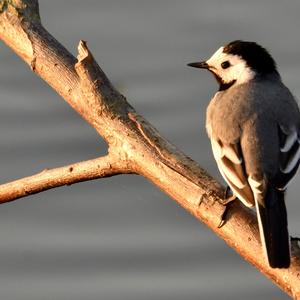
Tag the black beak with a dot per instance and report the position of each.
(201, 65)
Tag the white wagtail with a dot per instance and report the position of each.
(253, 123)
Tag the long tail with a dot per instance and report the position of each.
(273, 228)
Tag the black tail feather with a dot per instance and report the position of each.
(272, 217)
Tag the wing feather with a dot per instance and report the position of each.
(289, 141)
(230, 164)
(289, 157)
(231, 154)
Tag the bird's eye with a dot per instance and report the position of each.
(225, 64)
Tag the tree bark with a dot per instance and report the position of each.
(134, 145)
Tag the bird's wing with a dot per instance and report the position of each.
(289, 157)
(272, 217)
(231, 165)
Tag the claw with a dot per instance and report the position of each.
(224, 215)
(199, 201)
(222, 222)
(226, 202)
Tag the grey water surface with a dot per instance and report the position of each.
(122, 238)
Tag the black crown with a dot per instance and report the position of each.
(256, 57)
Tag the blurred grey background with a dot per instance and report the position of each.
(121, 238)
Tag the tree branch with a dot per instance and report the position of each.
(47, 179)
(134, 143)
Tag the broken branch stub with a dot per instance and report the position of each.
(102, 103)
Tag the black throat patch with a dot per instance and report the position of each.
(223, 85)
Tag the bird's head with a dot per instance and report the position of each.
(238, 62)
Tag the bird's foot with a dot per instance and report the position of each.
(229, 197)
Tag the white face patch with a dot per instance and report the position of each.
(238, 70)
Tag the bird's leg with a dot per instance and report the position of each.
(228, 196)
(227, 201)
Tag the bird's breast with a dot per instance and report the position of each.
(223, 118)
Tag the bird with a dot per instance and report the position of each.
(253, 123)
